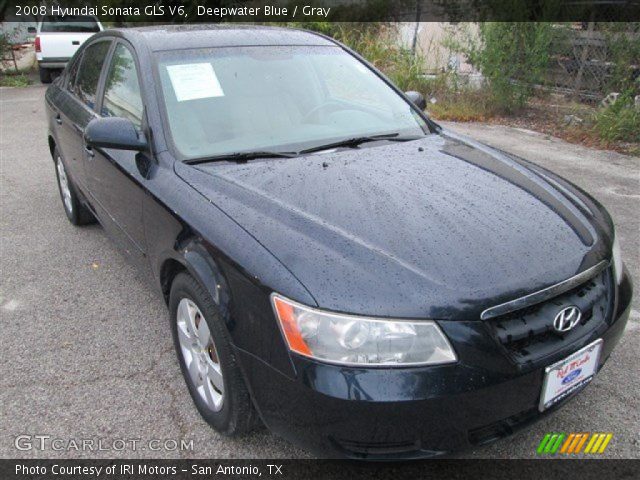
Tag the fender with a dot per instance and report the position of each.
(220, 278)
(194, 257)
(203, 267)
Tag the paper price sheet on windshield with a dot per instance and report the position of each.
(192, 81)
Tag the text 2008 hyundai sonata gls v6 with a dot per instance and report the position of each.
(336, 266)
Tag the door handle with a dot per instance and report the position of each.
(89, 150)
(75, 42)
(58, 119)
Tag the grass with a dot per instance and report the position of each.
(14, 80)
(462, 106)
(619, 122)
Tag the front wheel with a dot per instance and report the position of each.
(206, 358)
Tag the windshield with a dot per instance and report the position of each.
(69, 23)
(238, 99)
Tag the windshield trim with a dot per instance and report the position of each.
(432, 127)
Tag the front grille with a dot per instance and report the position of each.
(528, 334)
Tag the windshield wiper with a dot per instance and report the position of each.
(349, 142)
(354, 142)
(241, 157)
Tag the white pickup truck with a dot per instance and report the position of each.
(58, 38)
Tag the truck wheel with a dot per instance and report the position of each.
(45, 75)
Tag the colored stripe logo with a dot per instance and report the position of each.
(574, 443)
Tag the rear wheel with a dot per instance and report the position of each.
(77, 213)
(206, 358)
(45, 75)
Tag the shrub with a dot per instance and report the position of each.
(619, 121)
(512, 56)
(623, 51)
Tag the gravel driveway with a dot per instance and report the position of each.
(86, 348)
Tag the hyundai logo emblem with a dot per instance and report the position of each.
(567, 318)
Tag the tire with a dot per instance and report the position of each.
(45, 75)
(77, 213)
(223, 401)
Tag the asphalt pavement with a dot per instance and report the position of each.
(86, 347)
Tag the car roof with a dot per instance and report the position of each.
(178, 37)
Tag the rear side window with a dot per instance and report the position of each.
(122, 91)
(89, 73)
(72, 73)
(69, 23)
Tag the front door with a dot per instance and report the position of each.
(114, 177)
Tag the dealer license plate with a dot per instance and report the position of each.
(566, 376)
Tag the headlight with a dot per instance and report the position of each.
(617, 260)
(352, 340)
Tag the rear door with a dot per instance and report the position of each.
(79, 108)
(63, 111)
(60, 37)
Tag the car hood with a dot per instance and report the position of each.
(440, 227)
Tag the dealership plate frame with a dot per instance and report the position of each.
(541, 405)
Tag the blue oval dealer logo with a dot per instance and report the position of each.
(572, 376)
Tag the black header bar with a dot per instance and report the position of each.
(213, 11)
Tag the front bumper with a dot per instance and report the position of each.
(380, 413)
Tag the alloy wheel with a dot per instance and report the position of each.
(200, 354)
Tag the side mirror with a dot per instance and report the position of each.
(32, 30)
(417, 99)
(114, 132)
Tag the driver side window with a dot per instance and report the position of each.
(122, 96)
(86, 84)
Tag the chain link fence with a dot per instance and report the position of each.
(585, 60)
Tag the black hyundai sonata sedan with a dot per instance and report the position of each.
(336, 265)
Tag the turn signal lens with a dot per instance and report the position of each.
(290, 328)
(352, 340)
